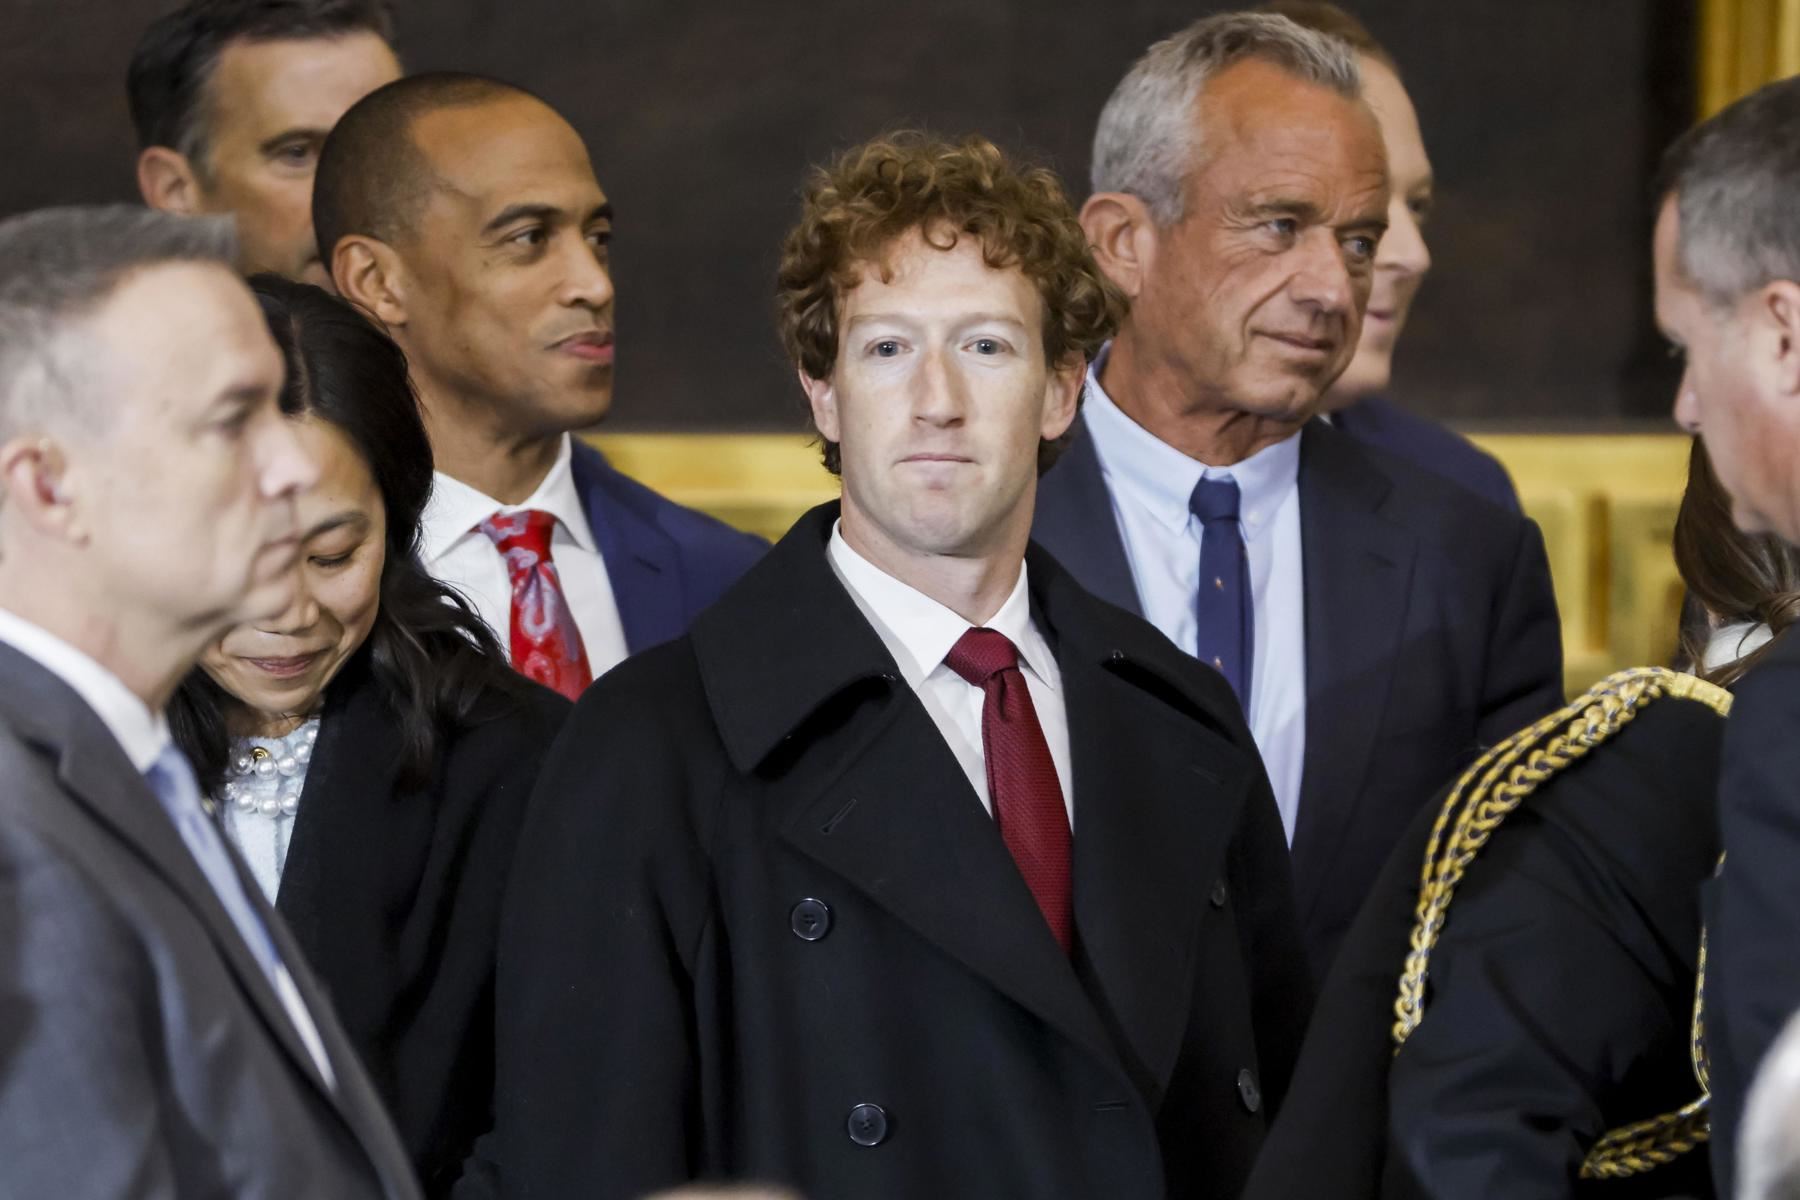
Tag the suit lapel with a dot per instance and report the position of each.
(642, 562)
(1074, 521)
(93, 768)
(901, 824)
(1156, 799)
(1358, 568)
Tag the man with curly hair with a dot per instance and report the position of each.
(912, 870)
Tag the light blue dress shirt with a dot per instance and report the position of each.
(1150, 482)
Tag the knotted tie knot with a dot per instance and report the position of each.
(1214, 500)
(981, 654)
(523, 537)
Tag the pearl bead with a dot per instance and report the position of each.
(303, 753)
(290, 804)
(269, 806)
(245, 801)
(265, 767)
(312, 733)
(287, 764)
(243, 764)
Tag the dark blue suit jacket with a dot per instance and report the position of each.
(666, 562)
(1380, 422)
(1431, 632)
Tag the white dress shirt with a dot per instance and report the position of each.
(456, 551)
(1150, 483)
(919, 632)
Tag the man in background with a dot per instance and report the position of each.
(232, 100)
(463, 214)
(1727, 257)
(162, 1034)
(1378, 623)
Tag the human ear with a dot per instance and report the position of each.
(1781, 312)
(371, 276)
(1062, 395)
(1122, 236)
(821, 394)
(168, 182)
(34, 472)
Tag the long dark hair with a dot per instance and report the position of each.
(1734, 576)
(428, 653)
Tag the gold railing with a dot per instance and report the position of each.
(1606, 504)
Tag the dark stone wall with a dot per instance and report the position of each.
(1543, 118)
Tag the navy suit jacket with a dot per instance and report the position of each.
(1431, 632)
(1380, 422)
(666, 562)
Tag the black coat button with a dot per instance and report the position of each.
(868, 1125)
(1219, 894)
(1248, 1091)
(810, 920)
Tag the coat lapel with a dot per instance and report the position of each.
(1156, 798)
(1074, 521)
(1358, 567)
(642, 561)
(93, 767)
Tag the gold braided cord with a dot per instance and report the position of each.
(1494, 786)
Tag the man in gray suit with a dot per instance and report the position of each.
(159, 1033)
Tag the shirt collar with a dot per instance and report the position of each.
(1161, 478)
(141, 732)
(455, 508)
(919, 631)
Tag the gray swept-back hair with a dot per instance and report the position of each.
(1735, 179)
(58, 265)
(1148, 140)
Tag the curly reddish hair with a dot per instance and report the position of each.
(853, 211)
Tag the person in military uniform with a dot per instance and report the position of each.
(1521, 984)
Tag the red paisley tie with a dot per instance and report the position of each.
(546, 646)
(1022, 783)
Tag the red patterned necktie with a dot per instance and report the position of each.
(1022, 783)
(546, 646)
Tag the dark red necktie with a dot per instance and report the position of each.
(546, 646)
(1022, 783)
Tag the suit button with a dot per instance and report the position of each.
(868, 1125)
(1219, 894)
(1247, 1090)
(810, 920)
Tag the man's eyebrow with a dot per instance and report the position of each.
(299, 132)
(541, 212)
(1305, 210)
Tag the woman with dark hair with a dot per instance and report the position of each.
(1743, 588)
(369, 750)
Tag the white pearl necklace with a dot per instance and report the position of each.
(268, 774)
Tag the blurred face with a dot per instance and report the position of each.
(269, 106)
(508, 296)
(1255, 296)
(278, 667)
(1730, 392)
(1402, 260)
(187, 493)
(938, 401)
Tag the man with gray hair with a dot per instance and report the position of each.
(1727, 255)
(1377, 623)
(159, 1034)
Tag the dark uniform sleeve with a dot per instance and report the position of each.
(595, 1068)
(1524, 678)
(1542, 991)
(1753, 956)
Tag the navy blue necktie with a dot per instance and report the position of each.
(1226, 623)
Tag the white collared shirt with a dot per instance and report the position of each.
(141, 733)
(459, 554)
(919, 632)
(1150, 483)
